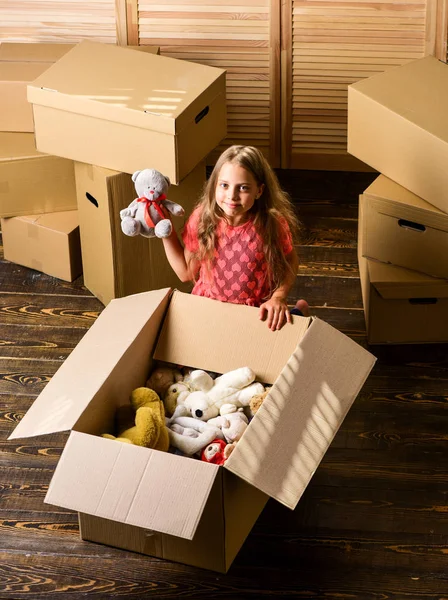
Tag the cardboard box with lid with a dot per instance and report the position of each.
(404, 230)
(48, 243)
(31, 182)
(166, 505)
(146, 110)
(398, 124)
(401, 306)
(114, 264)
(20, 64)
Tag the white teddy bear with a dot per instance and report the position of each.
(145, 215)
(230, 391)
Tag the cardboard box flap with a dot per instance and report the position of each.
(188, 341)
(417, 91)
(130, 484)
(397, 283)
(171, 93)
(297, 422)
(17, 146)
(63, 222)
(392, 199)
(69, 392)
(40, 52)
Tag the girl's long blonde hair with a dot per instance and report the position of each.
(269, 209)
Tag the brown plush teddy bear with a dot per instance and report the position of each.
(149, 429)
(256, 401)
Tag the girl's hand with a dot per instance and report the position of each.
(277, 312)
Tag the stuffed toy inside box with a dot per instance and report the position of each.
(165, 505)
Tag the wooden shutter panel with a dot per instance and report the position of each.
(66, 21)
(333, 44)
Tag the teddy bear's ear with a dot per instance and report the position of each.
(135, 175)
(167, 179)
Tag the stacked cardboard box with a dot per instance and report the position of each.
(148, 111)
(36, 190)
(398, 124)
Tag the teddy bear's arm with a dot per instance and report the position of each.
(130, 211)
(173, 207)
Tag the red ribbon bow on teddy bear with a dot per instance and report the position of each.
(156, 205)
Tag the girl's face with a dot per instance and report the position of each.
(236, 192)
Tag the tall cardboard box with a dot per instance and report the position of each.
(114, 264)
(147, 110)
(48, 243)
(404, 230)
(30, 182)
(398, 124)
(170, 506)
(400, 306)
(20, 64)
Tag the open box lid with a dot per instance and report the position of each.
(141, 89)
(155, 490)
(63, 222)
(17, 146)
(73, 386)
(40, 52)
(394, 200)
(296, 423)
(417, 91)
(396, 283)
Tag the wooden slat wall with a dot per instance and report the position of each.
(57, 20)
(335, 43)
(237, 35)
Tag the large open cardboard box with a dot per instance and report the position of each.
(30, 182)
(398, 124)
(114, 264)
(174, 507)
(48, 243)
(20, 64)
(402, 229)
(146, 111)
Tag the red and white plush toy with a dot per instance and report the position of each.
(214, 452)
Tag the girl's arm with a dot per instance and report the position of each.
(276, 308)
(180, 258)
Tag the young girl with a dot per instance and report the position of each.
(238, 242)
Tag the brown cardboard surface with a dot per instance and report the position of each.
(401, 306)
(19, 65)
(197, 552)
(120, 360)
(188, 341)
(48, 243)
(297, 422)
(116, 265)
(398, 124)
(79, 98)
(33, 52)
(23, 169)
(131, 484)
(404, 230)
(16, 114)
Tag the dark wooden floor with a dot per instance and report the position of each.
(373, 523)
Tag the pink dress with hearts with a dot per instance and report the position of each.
(239, 271)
